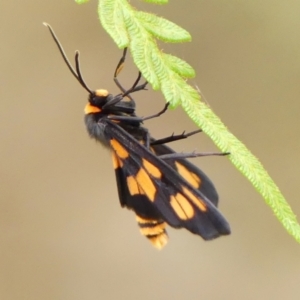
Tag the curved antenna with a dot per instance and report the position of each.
(80, 79)
(77, 73)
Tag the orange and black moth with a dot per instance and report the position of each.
(161, 186)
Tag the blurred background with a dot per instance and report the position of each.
(63, 234)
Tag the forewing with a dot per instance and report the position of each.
(176, 200)
(137, 201)
(196, 177)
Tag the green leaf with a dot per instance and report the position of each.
(163, 29)
(139, 31)
(112, 20)
(175, 89)
(142, 50)
(179, 66)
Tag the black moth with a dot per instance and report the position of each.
(158, 184)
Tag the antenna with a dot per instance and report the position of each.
(77, 73)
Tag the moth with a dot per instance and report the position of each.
(159, 185)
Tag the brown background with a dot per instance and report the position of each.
(62, 232)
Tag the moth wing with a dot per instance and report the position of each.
(195, 176)
(175, 199)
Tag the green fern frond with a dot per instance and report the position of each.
(139, 31)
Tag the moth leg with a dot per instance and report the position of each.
(135, 86)
(175, 156)
(173, 138)
(137, 119)
(118, 69)
(158, 114)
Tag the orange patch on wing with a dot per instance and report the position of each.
(116, 161)
(133, 186)
(182, 207)
(197, 201)
(120, 150)
(146, 184)
(153, 170)
(189, 176)
(90, 109)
